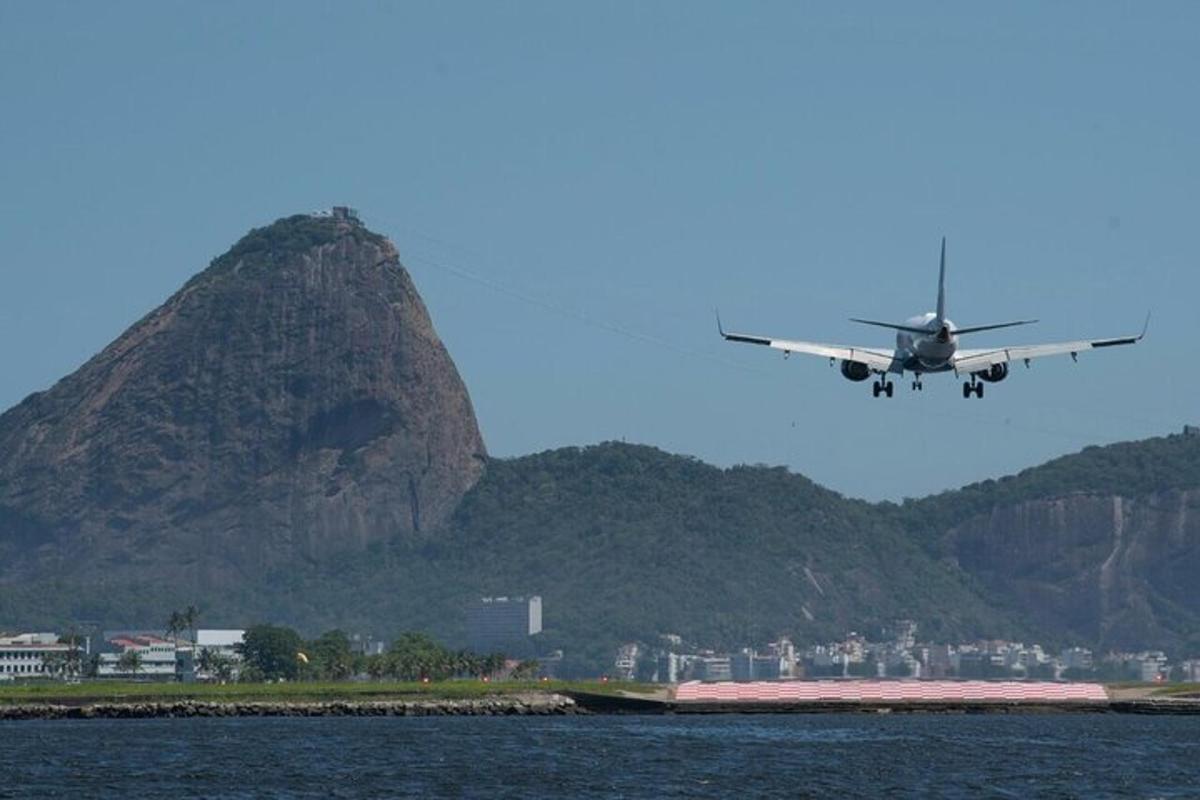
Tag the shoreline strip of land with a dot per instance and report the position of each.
(465, 699)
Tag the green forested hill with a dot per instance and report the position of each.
(626, 542)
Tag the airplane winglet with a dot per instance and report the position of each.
(720, 329)
(1145, 327)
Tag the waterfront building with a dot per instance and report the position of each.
(366, 645)
(713, 668)
(937, 660)
(1077, 658)
(221, 641)
(1152, 665)
(904, 634)
(670, 668)
(504, 625)
(25, 655)
(785, 652)
(155, 659)
(214, 646)
(625, 666)
(750, 666)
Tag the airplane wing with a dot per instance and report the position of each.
(876, 359)
(966, 361)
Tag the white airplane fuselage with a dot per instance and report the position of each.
(931, 352)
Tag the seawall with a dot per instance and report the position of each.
(532, 704)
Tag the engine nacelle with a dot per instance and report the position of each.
(995, 374)
(855, 371)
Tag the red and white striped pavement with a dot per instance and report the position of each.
(889, 691)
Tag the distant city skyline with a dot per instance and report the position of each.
(574, 189)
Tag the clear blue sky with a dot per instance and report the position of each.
(575, 186)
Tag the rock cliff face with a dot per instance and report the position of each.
(290, 403)
(1117, 571)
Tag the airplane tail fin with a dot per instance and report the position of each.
(941, 301)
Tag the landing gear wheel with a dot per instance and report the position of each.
(876, 389)
(889, 387)
(979, 390)
(967, 390)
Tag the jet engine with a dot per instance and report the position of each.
(995, 374)
(855, 371)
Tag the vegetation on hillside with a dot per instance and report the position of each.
(627, 542)
(1127, 469)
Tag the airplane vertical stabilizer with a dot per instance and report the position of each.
(941, 303)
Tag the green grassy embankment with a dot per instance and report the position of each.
(48, 693)
(1178, 690)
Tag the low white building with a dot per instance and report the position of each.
(1077, 658)
(223, 644)
(155, 659)
(24, 655)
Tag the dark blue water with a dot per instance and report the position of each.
(746, 756)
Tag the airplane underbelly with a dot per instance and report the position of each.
(934, 355)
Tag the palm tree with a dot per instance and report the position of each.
(189, 618)
(174, 625)
(494, 663)
(130, 661)
(73, 658)
(54, 664)
(205, 661)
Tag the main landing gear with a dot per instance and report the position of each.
(883, 387)
(973, 387)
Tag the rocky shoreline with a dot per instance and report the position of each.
(554, 704)
(496, 706)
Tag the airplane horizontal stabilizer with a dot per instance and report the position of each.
(997, 326)
(893, 326)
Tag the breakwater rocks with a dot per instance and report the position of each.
(496, 706)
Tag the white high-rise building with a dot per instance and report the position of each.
(504, 625)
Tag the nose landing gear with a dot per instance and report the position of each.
(918, 385)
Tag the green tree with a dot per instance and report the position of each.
(493, 663)
(331, 656)
(272, 652)
(526, 671)
(221, 667)
(73, 659)
(54, 664)
(416, 656)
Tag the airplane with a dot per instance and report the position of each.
(928, 343)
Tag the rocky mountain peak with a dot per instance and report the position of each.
(290, 401)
